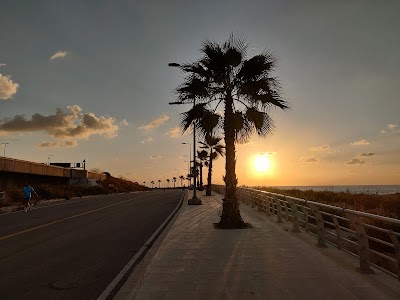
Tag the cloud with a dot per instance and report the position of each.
(320, 148)
(148, 139)
(310, 159)
(124, 123)
(55, 144)
(361, 142)
(72, 124)
(155, 123)
(58, 54)
(155, 156)
(2, 65)
(366, 154)
(355, 161)
(390, 128)
(8, 88)
(175, 132)
(267, 153)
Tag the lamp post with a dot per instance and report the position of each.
(49, 158)
(5, 145)
(190, 159)
(194, 200)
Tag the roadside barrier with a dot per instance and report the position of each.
(374, 239)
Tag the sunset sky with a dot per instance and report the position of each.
(90, 80)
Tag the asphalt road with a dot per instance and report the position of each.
(74, 249)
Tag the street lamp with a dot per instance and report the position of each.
(190, 158)
(194, 200)
(49, 158)
(5, 145)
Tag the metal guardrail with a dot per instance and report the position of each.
(374, 239)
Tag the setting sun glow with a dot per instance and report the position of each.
(262, 163)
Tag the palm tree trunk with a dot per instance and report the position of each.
(230, 217)
(208, 191)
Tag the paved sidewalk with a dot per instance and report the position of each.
(196, 261)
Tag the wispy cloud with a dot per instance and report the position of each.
(155, 156)
(310, 159)
(124, 123)
(148, 139)
(175, 132)
(360, 143)
(72, 124)
(8, 88)
(57, 144)
(355, 161)
(2, 65)
(267, 153)
(366, 154)
(58, 55)
(155, 123)
(390, 128)
(320, 148)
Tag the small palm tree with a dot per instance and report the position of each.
(174, 180)
(246, 91)
(159, 182)
(181, 178)
(214, 149)
(152, 184)
(168, 183)
(144, 183)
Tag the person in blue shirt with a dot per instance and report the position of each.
(27, 190)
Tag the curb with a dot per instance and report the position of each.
(112, 289)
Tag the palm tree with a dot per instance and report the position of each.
(168, 183)
(174, 180)
(181, 178)
(152, 184)
(144, 183)
(245, 90)
(159, 182)
(202, 156)
(215, 148)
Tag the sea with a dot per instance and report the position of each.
(354, 189)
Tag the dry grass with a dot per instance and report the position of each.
(384, 205)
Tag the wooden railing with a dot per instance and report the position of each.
(374, 239)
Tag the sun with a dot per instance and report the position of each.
(262, 163)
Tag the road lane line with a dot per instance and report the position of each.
(65, 219)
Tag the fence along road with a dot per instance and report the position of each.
(374, 239)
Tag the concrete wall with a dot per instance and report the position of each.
(28, 167)
(15, 171)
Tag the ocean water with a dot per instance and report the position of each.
(355, 189)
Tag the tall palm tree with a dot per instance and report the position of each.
(215, 148)
(174, 180)
(159, 182)
(245, 90)
(202, 156)
(144, 183)
(152, 184)
(168, 183)
(181, 178)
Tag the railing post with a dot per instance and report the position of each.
(278, 209)
(339, 240)
(295, 217)
(305, 215)
(253, 199)
(320, 225)
(396, 245)
(260, 202)
(267, 206)
(286, 209)
(363, 244)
